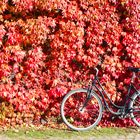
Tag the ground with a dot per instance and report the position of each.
(58, 134)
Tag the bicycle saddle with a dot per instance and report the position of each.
(134, 69)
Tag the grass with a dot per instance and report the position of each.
(45, 133)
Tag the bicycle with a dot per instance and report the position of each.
(82, 109)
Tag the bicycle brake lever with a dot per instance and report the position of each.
(97, 71)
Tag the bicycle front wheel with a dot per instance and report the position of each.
(135, 107)
(79, 115)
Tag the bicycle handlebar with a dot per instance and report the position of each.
(134, 70)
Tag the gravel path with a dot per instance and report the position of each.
(4, 138)
(133, 136)
(129, 137)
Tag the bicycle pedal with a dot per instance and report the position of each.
(121, 117)
(113, 118)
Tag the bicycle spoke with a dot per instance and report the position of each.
(138, 102)
(137, 115)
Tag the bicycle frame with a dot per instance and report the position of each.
(98, 86)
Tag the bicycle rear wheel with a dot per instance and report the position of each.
(135, 107)
(77, 116)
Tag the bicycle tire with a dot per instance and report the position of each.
(135, 104)
(73, 115)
